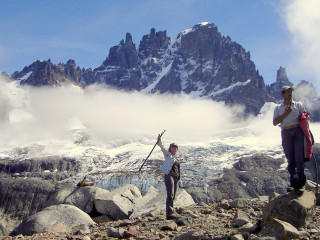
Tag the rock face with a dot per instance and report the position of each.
(250, 177)
(50, 163)
(57, 215)
(121, 68)
(50, 168)
(199, 62)
(20, 198)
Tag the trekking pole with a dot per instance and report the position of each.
(317, 179)
(151, 151)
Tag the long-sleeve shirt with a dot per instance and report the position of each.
(170, 159)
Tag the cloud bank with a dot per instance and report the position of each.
(44, 114)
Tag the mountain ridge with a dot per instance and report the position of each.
(200, 62)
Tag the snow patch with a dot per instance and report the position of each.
(26, 76)
(228, 89)
(160, 76)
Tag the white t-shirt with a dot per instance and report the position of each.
(293, 117)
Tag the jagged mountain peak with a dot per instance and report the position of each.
(282, 75)
(199, 62)
(199, 26)
(43, 73)
(128, 38)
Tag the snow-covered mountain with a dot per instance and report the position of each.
(200, 62)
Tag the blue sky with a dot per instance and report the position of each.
(272, 30)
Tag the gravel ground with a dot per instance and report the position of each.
(206, 221)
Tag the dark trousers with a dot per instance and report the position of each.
(171, 187)
(292, 143)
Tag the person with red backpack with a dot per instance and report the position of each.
(287, 114)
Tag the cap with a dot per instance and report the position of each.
(285, 88)
(173, 145)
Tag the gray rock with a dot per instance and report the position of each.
(304, 234)
(191, 214)
(118, 204)
(225, 205)
(21, 198)
(81, 229)
(296, 210)
(240, 203)
(241, 218)
(264, 198)
(102, 219)
(157, 199)
(272, 196)
(81, 197)
(248, 227)
(183, 221)
(57, 215)
(237, 237)
(313, 231)
(116, 232)
(280, 230)
(226, 215)
(192, 235)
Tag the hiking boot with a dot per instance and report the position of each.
(300, 191)
(171, 217)
(290, 189)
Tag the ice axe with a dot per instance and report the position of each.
(151, 151)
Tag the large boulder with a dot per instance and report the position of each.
(291, 208)
(156, 199)
(57, 215)
(20, 198)
(81, 197)
(280, 230)
(118, 204)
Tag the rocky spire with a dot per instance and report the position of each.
(282, 76)
(275, 88)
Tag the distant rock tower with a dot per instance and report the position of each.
(275, 88)
(282, 76)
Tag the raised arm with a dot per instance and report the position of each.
(164, 151)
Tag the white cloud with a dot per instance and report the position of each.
(48, 114)
(302, 20)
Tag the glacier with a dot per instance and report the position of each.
(65, 122)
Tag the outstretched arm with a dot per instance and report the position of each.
(164, 151)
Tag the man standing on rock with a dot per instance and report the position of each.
(287, 114)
